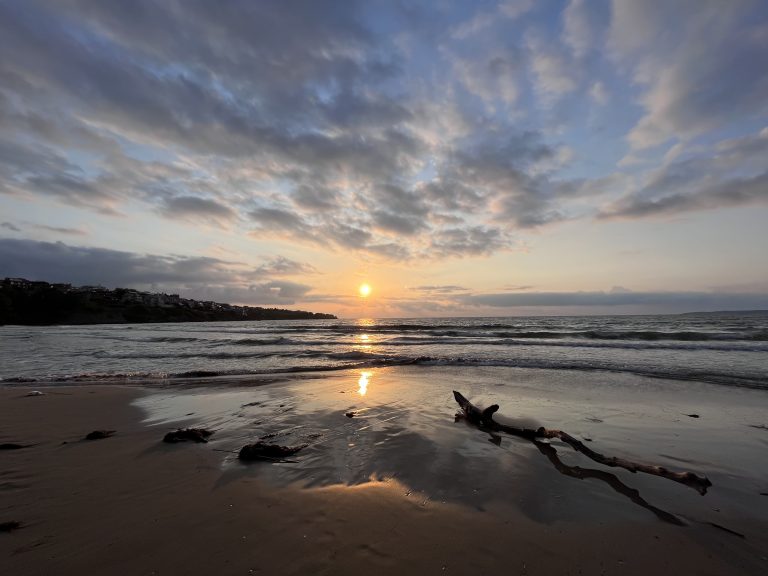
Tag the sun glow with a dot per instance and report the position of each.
(363, 383)
(365, 290)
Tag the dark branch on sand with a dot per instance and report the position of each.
(484, 419)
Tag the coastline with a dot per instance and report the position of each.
(130, 504)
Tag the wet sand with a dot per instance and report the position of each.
(397, 488)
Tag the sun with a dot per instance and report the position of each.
(365, 290)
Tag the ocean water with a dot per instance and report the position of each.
(725, 349)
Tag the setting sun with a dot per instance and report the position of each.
(365, 290)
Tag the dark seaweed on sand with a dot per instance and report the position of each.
(263, 451)
(99, 434)
(9, 526)
(192, 434)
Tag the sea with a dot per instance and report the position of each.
(728, 349)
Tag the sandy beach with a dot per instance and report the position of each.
(389, 490)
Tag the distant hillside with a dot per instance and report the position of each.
(40, 303)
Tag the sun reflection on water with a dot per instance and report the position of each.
(363, 382)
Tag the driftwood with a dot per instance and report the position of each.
(484, 419)
(192, 434)
(263, 451)
(99, 434)
(611, 479)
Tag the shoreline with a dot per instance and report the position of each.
(130, 504)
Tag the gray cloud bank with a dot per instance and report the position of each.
(202, 278)
(671, 301)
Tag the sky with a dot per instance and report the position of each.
(462, 158)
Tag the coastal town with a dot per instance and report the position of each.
(25, 301)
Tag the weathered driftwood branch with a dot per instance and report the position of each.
(611, 479)
(484, 419)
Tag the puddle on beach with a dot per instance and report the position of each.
(402, 428)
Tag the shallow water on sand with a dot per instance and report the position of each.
(403, 428)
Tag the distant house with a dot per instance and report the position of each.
(131, 296)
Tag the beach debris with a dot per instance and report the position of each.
(35, 393)
(349, 414)
(264, 451)
(193, 434)
(483, 419)
(758, 426)
(693, 416)
(9, 526)
(612, 480)
(250, 404)
(13, 446)
(99, 434)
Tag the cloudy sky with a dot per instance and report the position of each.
(464, 158)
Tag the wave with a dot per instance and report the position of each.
(481, 331)
(351, 361)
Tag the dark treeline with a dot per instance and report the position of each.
(40, 303)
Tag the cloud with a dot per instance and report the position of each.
(441, 289)
(191, 276)
(494, 79)
(476, 241)
(55, 229)
(282, 266)
(691, 301)
(701, 64)
(394, 131)
(579, 29)
(197, 208)
(235, 124)
(61, 230)
(554, 77)
(730, 193)
(599, 93)
(732, 174)
(279, 219)
(483, 19)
